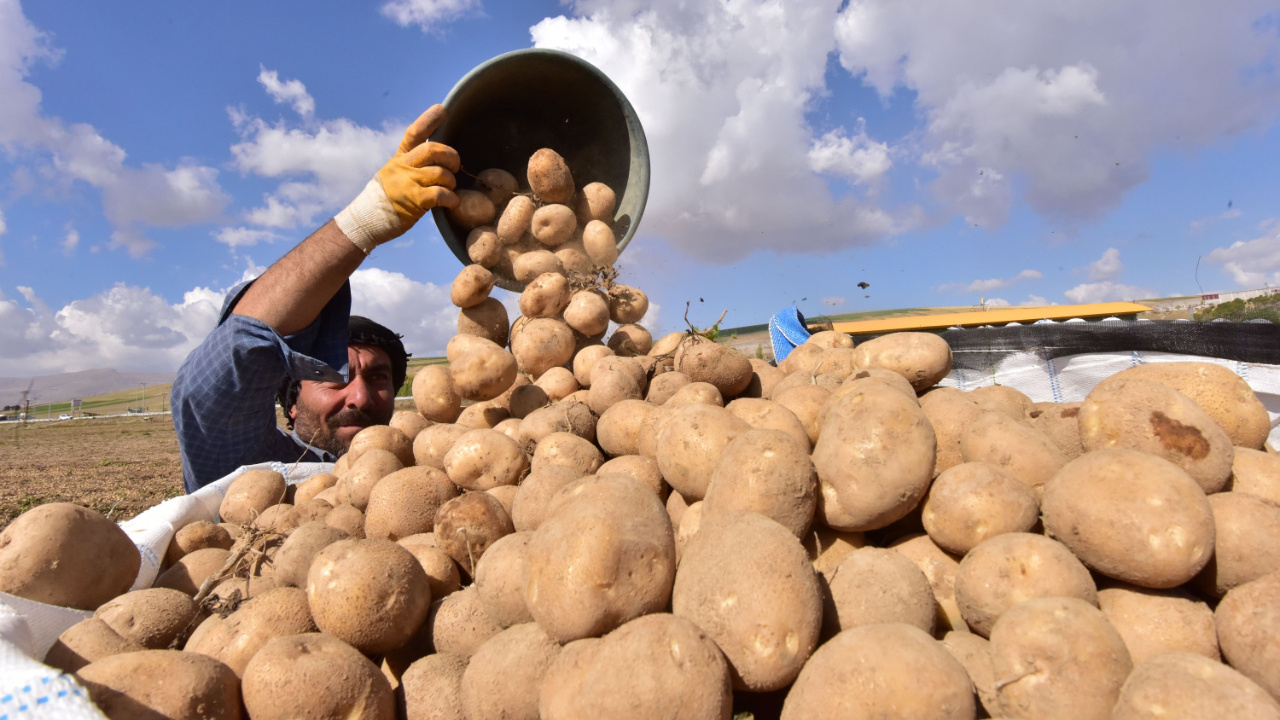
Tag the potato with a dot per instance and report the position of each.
(372, 594)
(431, 688)
(190, 572)
(584, 362)
(87, 641)
(558, 383)
(544, 343)
(890, 670)
(922, 358)
(880, 375)
(1159, 621)
(692, 438)
(629, 365)
(1246, 542)
(720, 365)
(234, 641)
(1012, 446)
(506, 495)
(768, 472)
(1221, 393)
(605, 556)
(293, 560)
(533, 497)
(588, 313)
(1057, 657)
(405, 502)
(483, 415)
(501, 577)
(628, 305)
(950, 412)
(940, 568)
(568, 450)
(610, 387)
(151, 617)
(596, 201)
(382, 437)
(471, 286)
(1193, 686)
(473, 209)
(346, 518)
(545, 296)
(876, 452)
(549, 177)
(631, 341)
(663, 387)
(655, 666)
(483, 246)
(746, 581)
(526, 399)
(504, 676)
(665, 348)
(483, 373)
(516, 219)
(497, 184)
(487, 320)
(314, 675)
(806, 402)
(1248, 628)
(250, 493)
(619, 426)
(311, 487)
(573, 257)
(442, 572)
(1257, 473)
(827, 382)
(564, 416)
(434, 394)
(198, 535)
(974, 653)
(459, 624)
(162, 684)
(690, 523)
(432, 444)
(1060, 423)
(553, 224)
(1131, 516)
(827, 548)
(1153, 418)
(975, 501)
(802, 359)
(282, 519)
(763, 414)
(827, 339)
(873, 585)
(483, 459)
(1013, 568)
(355, 486)
(1005, 400)
(467, 525)
(641, 469)
(600, 243)
(529, 265)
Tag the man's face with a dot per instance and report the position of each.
(330, 414)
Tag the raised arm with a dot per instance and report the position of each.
(290, 294)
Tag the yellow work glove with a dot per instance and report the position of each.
(417, 178)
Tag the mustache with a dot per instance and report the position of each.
(350, 416)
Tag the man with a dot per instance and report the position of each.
(284, 333)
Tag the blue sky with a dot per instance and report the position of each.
(154, 154)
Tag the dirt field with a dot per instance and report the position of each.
(117, 465)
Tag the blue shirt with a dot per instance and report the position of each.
(224, 397)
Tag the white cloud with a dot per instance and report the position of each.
(235, 237)
(125, 327)
(858, 158)
(1036, 300)
(321, 167)
(1065, 100)
(421, 312)
(997, 302)
(991, 284)
(722, 90)
(289, 91)
(132, 197)
(1252, 263)
(428, 15)
(1106, 291)
(71, 241)
(1107, 267)
(4, 227)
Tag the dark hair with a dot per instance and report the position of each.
(360, 331)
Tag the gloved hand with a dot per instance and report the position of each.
(417, 178)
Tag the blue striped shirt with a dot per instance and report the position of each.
(224, 397)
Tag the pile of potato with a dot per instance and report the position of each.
(569, 528)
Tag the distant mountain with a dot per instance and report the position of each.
(86, 383)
